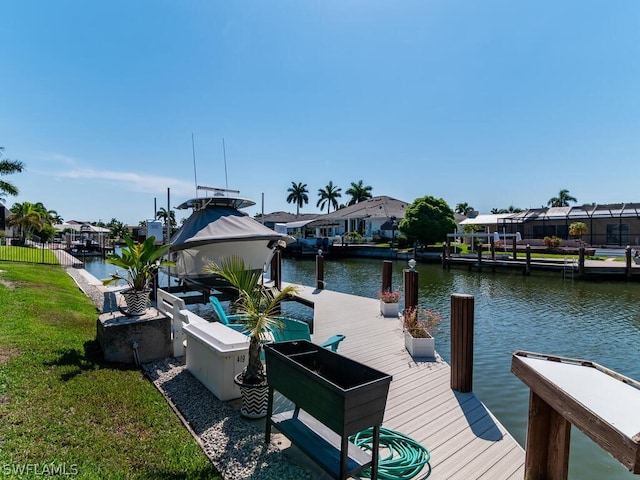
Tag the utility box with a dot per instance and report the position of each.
(215, 355)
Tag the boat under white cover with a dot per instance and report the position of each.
(215, 230)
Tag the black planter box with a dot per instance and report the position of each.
(343, 394)
(339, 393)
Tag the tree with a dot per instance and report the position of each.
(358, 192)
(511, 209)
(464, 209)
(26, 218)
(298, 195)
(562, 200)
(329, 196)
(169, 216)
(118, 229)
(428, 220)
(8, 167)
(577, 229)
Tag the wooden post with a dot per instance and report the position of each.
(527, 268)
(581, 260)
(628, 255)
(462, 319)
(479, 254)
(515, 248)
(410, 288)
(387, 271)
(276, 269)
(319, 271)
(492, 243)
(548, 441)
(445, 254)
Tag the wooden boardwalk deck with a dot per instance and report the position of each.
(465, 440)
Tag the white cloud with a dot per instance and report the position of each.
(134, 181)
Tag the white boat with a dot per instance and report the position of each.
(217, 229)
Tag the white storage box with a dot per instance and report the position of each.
(216, 354)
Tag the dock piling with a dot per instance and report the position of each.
(319, 271)
(410, 286)
(462, 319)
(387, 270)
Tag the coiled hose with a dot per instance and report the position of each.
(404, 458)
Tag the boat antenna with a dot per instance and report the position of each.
(224, 154)
(193, 150)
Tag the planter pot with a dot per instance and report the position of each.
(420, 347)
(389, 309)
(137, 301)
(254, 398)
(327, 385)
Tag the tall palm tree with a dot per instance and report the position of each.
(8, 167)
(169, 216)
(562, 200)
(26, 218)
(359, 192)
(329, 196)
(298, 195)
(464, 208)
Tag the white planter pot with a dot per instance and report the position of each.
(389, 309)
(420, 347)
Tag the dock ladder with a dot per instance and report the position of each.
(569, 267)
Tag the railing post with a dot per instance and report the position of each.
(527, 268)
(515, 248)
(319, 270)
(410, 286)
(462, 320)
(276, 269)
(387, 271)
(581, 260)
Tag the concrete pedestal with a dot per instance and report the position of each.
(117, 334)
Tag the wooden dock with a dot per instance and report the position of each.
(465, 440)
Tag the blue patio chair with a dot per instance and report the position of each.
(298, 330)
(231, 321)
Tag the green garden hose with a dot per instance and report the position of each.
(404, 457)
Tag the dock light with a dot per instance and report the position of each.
(320, 252)
(412, 264)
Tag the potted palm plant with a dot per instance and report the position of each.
(258, 308)
(418, 325)
(140, 261)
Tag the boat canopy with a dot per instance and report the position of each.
(222, 224)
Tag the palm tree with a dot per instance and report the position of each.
(258, 307)
(359, 192)
(562, 200)
(169, 216)
(298, 195)
(8, 167)
(26, 218)
(329, 196)
(464, 208)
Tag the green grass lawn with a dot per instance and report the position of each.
(61, 407)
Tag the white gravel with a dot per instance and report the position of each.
(234, 445)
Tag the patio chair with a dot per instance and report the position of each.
(298, 330)
(231, 321)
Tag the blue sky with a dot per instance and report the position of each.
(492, 103)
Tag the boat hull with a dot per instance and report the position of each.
(191, 262)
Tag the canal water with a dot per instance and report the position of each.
(596, 321)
